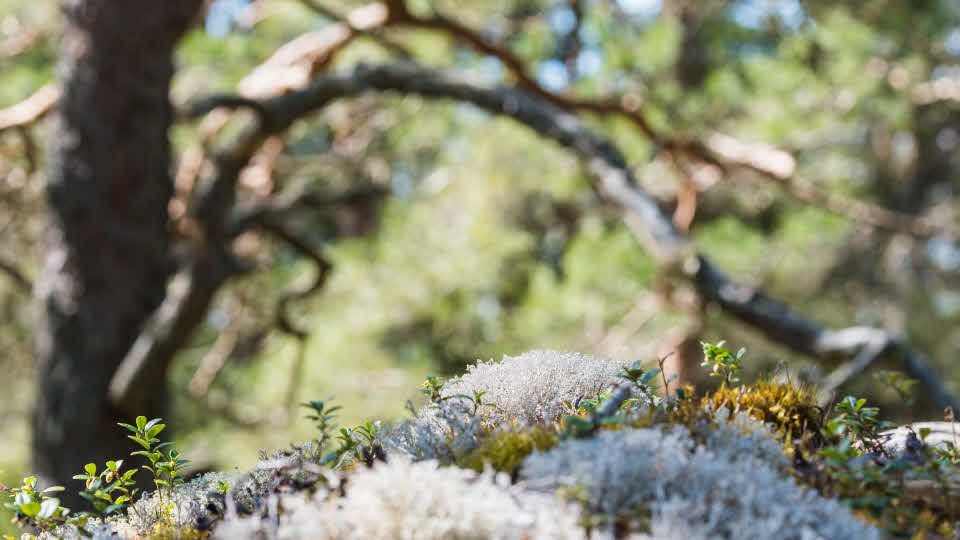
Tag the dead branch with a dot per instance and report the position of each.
(213, 362)
(16, 276)
(781, 167)
(365, 21)
(615, 180)
(323, 266)
(282, 317)
(293, 65)
(20, 43)
(30, 110)
(188, 296)
(717, 149)
(283, 204)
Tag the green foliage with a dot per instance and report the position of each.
(357, 443)
(722, 363)
(902, 385)
(323, 416)
(616, 406)
(432, 387)
(35, 507)
(166, 467)
(862, 424)
(108, 491)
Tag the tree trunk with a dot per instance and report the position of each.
(106, 255)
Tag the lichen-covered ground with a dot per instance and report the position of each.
(562, 445)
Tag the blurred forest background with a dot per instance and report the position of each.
(808, 149)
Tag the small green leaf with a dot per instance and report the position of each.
(152, 432)
(649, 375)
(140, 441)
(30, 509)
(128, 426)
(141, 423)
(91, 468)
(48, 508)
(111, 509)
(53, 488)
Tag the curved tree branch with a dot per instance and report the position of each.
(615, 180)
(30, 110)
(716, 149)
(19, 278)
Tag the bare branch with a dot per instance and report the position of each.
(188, 296)
(718, 149)
(292, 66)
(282, 316)
(213, 362)
(20, 43)
(323, 267)
(615, 180)
(210, 264)
(782, 325)
(203, 106)
(283, 204)
(364, 21)
(19, 278)
(31, 109)
(781, 167)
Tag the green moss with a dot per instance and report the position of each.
(791, 409)
(504, 450)
(166, 531)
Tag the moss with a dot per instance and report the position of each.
(505, 449)
(791, 409)
(167, 531)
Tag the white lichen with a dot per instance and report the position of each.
(177, 510)
(402, 500)
(531, 388)
(691, 492)
(442, 432)
(741, 435)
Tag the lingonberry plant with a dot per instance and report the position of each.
(110, 490)
(167, 469)
(722, 362)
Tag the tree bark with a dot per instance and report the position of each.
(106, 255)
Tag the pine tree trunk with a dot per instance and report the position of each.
(106, 255)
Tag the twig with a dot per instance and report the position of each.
(213, 362)
(15, 275)
(283, 204)
(281, 314)
(721, 150)
(615, 180)
(20, 43)
(364, 21)
(30, 110)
